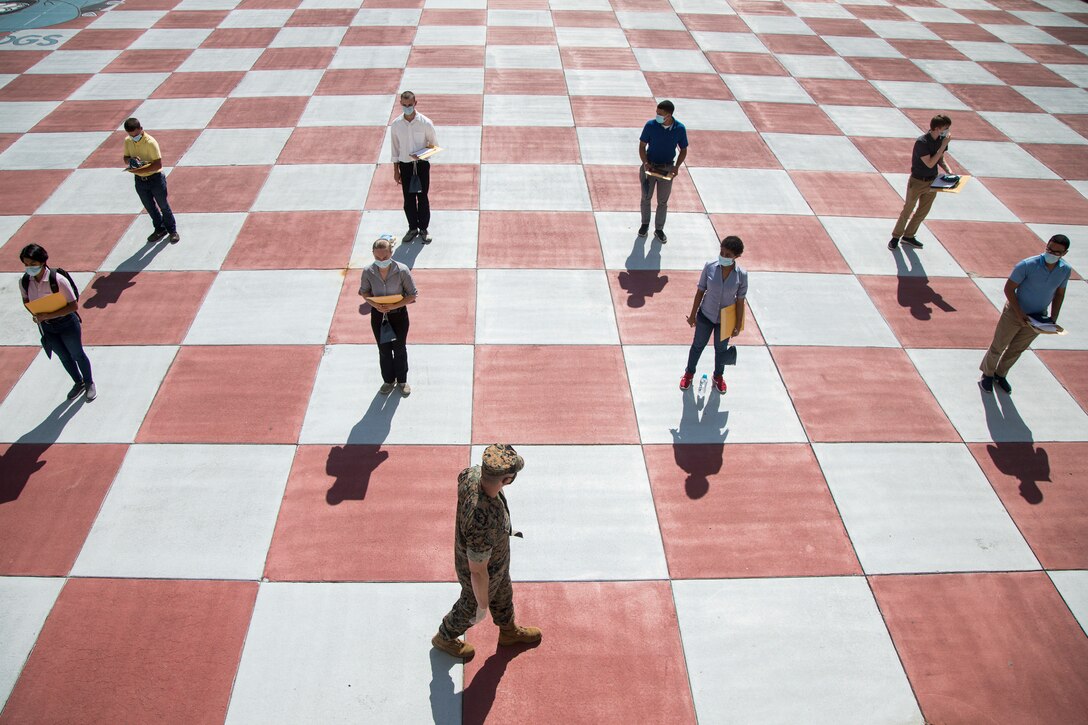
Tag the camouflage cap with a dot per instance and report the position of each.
(501, 459)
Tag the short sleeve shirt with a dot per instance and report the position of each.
(36, 290)
(397, 282)
(1037, 284)
(719, 292)
(924, 145)
(483, 522)
(146, 149)
(661, 143)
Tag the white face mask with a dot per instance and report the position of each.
(726, 261)
(408, 110)
(137, 137)
(33, 271)
(1050, 258)
(383, 263)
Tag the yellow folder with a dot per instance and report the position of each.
(729, 321)
(958, 187)
(47, 304)
(386, 299)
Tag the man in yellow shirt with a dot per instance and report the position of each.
(144, 161)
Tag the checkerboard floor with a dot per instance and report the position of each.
(241, 529)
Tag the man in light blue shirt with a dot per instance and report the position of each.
(1035, 285)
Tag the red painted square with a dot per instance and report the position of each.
(285, 240)
(1027, 74)
(887, 155)
(1041, 485)
(962, 31)
(840, 27)
(789, 118)
(707, 86)
(997, 17)
(218, 394)
(986, 249)
(652, 306)
(1070, 367)
(836, 92)
(714, 23)
(22, 192)
(525, 82)
(114, 39)
(75, 116)
(616, 188)
(1041, 201)
(679, 39)
(977, 648)
(88, 239)
(1052, 53)
(740, 511)
(50, 496)
(782, 243)
(518, 36)
(192, 19)
(1076, 121)
(530, 145)
(926, 49)
(446, 56)
(878, 12)
(174, 144)
(148, 61)
(444, 313)
(757, 64)
(295, 59)
(42, 87)
(453, 17)
(199, 85)
(359, 82)
(796, 44)
(734, 149)
(7, 139)
(384, 35)
(613, 112)
(1070, 36)
(453, 186)
(1068, 162)
(240, 38)
(848, 194)
(158, 307)
(391, 3)
(355, 145)
(641, 6)
(216, 188)
(549, 408)
(324, 18)
(993, 98)
(566, 673)
(518, 4)
(130, 650)
(559, 240)
(274, 112)
(948, 312)
(888, 69)
(368, 500)
(449, 109)
(889, 401)
(16, 63)
(13, 363)
(968, 125)
(598, 59)
(759, 7)
(584, 19)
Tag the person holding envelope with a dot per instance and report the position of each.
(388, 287)
(409, 133)
(56, 316)
(719, 298)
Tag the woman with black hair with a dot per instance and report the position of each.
(721, 285)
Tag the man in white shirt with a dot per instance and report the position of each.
(412, 131)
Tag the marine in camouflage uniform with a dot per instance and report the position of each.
(483, 532)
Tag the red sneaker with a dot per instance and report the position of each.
(719, 383)
(685, 382)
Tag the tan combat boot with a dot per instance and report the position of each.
(455, 647)
(513, 634)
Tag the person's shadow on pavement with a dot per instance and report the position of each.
(24, 457)
(109, 287)
(641, 277)
(479, 696)
(354, 463)
(698, 442)
(914, 291)
(1013, 451)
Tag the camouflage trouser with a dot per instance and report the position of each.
(500, 592)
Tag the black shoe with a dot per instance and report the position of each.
(644, 230)
(659, 235)
(893, 243)
(175, 237)
(156, 236)
(424, 237)
(409, 236)
(1003, 384)
(75, 391)
(912, 242)
(987, 384)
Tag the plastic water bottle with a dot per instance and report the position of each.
(702, 385)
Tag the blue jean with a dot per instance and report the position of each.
(704, 328)
(64, 336)
(152, 192)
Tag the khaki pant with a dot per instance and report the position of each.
(1011, 338)
(920, 193)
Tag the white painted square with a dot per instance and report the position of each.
(901, 30)
(533, 187)
(816, 309)
(862, 47)
(523, 56)
(958, 71)
(704, 115)
(748, 191)
(816, 153)
(607, 83)
(812, 650)
(568, 37)
(50, 150)
(818, 66)
(1077, 256)
(429, 35)
(9, 225)
(873, 121)
(1022, 34)
(188, 512)
(667, 60)
(214, 60)
(1075, 74)
(25, 602)
(935, 15)
(606, 145)
(21, 116)
(346, 111)
(863, 244)
(915, 94)
(346, 407)
(118, 86)
(692, 242)
(308, 37)
(1038, 410)
(756, 409)
(269, 18)
(444, 80)
(921, 507)
(607, 529)
(207, 5)
(999, 159)
(171, 39)
(127, 19)
(983, 52)
(282, 307)
(94, 191)
(703, 7)
(206, 240)
(261, 83)
(456, 4)
(519, 18)
(974, 203)
(510, 307)
(711, 41)
(236, 147)
(1073, 586)
(455, 236)
(74, 61)
(1057, 100)
(1074, 307)
(370, 56)
(396, 17)
(36, 411)
(510, 110)
(308, 187)
(819, 10)
(777, 25)
(768, 89)
(1033, 128)
(302, 663)
(649, 21)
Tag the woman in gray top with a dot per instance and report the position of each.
(721, 284)
(387, 277)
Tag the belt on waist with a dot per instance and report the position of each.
(149, 176)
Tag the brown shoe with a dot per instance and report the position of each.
(454, 647)
(513, 634)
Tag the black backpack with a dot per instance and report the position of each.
(25, 283)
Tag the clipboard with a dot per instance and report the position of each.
(728, 322)
(426, 152)
(47, 304)
(953, 189)
(385, 299)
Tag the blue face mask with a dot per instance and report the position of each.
(660, 119)
(137, 137)
(1050, 258)
(408, 110)
(726, 261)
(383, 263)
(33, 271)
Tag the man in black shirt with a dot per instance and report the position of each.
(928, 154)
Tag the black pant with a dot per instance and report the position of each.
(393, 356)
(64, 336)
(416, 206)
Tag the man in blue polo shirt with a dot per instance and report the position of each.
(657, 149)
(1035, 285)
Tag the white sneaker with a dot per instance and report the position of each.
(89, 393)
